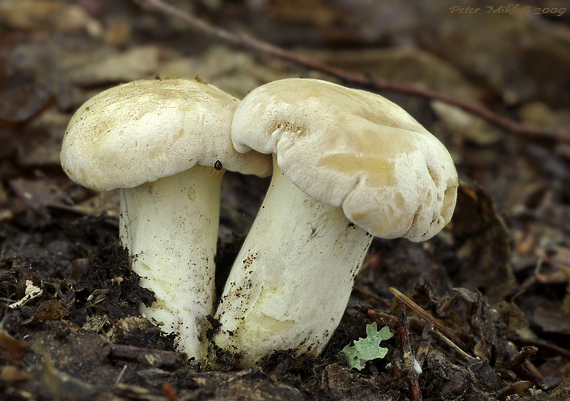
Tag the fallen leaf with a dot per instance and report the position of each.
(12, 373)
(12, 349)
(45, 15)
(467, 125)
(35, 193)
(23, 100)
(484, 243)
(49, 310)
(116, 67)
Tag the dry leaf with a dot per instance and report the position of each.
(49, 310)
(12, 373)
(45, 15)
(12, 349)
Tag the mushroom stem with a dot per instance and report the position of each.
(170, 227)
(291, 281)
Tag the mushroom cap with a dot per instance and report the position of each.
(352, 149)
(145, 130)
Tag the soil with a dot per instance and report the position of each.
(486, 311)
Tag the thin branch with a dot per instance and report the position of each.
(362, 80)
(147, 357)
(408, 355)
(109, 219)
(416, 308)
(452, 345)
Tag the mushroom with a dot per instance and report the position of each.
(348, 165)
(166, 144)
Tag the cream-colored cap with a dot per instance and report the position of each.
(352, 149)
(145, 130)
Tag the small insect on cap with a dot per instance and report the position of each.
(145, 130)
(352, 149)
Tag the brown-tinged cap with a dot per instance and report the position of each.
(352, 149)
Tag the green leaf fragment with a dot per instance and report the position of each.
(367, 349)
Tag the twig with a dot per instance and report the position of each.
(522, 365)
(148, 357)
(423, 348)
(382, 318)
(108, 219)
(452, 345)
(412, 305)
(362, 80)
(169, 392)
(118, 380)
(524, 354)
(408, 355)
(7, 300)
(545, 349)
(514, 388)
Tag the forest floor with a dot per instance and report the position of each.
(494, 283)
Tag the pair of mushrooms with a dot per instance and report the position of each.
(347, 165)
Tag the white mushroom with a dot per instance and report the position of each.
(348, 165)
(166, 144)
